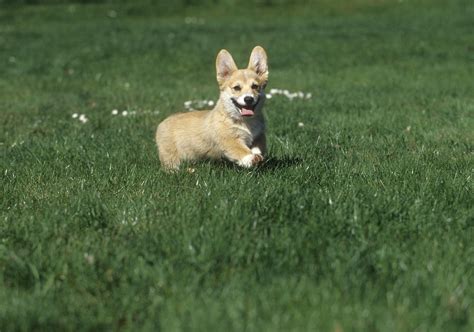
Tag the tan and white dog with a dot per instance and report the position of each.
(234, 129)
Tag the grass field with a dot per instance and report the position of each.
(361, 219)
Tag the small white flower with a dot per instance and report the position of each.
(83, 118)
(114, 112)
(300, 124)
(187, 103)
(89, 258)
(288, 94)
(210, 103)
(124, 113)
(75, 115)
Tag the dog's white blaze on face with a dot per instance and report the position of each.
(241, 99)
(242, 84)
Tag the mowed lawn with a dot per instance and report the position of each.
(362, 218)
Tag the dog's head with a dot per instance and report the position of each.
(242, 90)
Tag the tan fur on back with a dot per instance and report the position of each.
(221, 132)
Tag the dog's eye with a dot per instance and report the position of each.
(237, 88)
(254, 86)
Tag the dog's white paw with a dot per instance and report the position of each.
(246, 161)
(256, 150)
(250, 160)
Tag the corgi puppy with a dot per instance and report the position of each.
(234, 129)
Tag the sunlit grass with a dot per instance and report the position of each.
(361, 218)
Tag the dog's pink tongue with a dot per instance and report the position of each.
(246, 112)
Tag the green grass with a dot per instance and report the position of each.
(361, 220)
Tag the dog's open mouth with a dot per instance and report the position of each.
(245, 110)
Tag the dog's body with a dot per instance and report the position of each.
(234, 129)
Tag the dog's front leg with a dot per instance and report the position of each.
(239, 153)
(259, 145)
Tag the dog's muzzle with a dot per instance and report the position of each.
(248, 108)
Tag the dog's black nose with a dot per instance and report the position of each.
(248, 100)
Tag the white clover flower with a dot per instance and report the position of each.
(89, 258)
(83, 118)
(114, 112)
(269, 96)
(308, 95)
(210, 103)
(288, 94)
(300, 124)
(124, 113)
(75, 115)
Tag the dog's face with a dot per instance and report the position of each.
(242, 90)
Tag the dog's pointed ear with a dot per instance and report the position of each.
(225, 66)
(258, 62)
